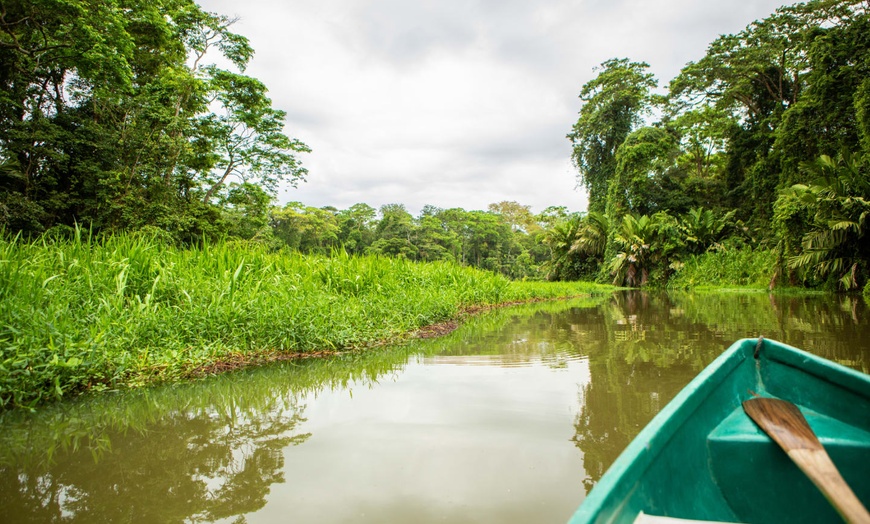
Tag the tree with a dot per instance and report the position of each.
(614, 104)
(839, 199)
(592, 237)
(248, 138)
(487, 241)
(646, 178)
(434, 240)
(757, 77)
(305, 228)
(395, 221)
(634, 242)
(61, 66)
(561, 239)
(703, 135)
(702, 228)
(356, 227)
(551, 216)
(643, 244)
(830, 115)
(456, 221)
(394, 232)
(518, 216)
(246, 212)
(110, 115)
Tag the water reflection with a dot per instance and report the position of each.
(513, 417)
(198, 452)
(198, 463)
(645, 347)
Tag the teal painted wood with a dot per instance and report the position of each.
(702, 458)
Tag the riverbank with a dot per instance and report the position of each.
(77, 315)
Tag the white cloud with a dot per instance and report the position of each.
(456, 104)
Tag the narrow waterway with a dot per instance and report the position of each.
(511, 418)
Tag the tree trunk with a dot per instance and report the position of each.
(219, 183)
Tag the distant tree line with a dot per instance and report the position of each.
(507, 238)
(764, 142)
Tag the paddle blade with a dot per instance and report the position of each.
(783, 421)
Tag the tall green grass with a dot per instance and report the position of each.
(127, 310)
(272, 395)
(739, 268)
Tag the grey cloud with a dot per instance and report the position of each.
(456, 103)
(543, 142)
(306, 116)
(536, 53)
(403, 32)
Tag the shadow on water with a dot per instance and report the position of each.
(214, 449)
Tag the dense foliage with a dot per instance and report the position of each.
(763, 143)
(113, 113)
(79, 314)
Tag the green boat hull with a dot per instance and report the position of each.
(703, 458)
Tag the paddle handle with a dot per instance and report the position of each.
(817, 465)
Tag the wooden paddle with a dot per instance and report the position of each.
(785, 424)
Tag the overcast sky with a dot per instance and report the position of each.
(456, 103)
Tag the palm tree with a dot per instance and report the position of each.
(561, 239)
(592, 237)
(634, 244)
(839, 198)
(701, 228)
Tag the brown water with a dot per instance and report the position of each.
(511, 418)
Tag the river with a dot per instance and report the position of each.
(511, 418)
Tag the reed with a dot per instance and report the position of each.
(127, 310)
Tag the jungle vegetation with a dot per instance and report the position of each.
(761, 146)
(116, 116)
(139, 165)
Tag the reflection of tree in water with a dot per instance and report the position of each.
(643, 348)
(627, 383)
(193, 465)
(539, 332)
(199, 452)
(831, 326)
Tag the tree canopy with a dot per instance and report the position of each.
(768, 131)
(114, 114)
(615, 103)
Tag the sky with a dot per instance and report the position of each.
(456, 103)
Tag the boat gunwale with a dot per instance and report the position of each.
(608, 498)
(659, 431)
(827, 370)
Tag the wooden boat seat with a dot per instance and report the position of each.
(761, 484)
(643, 518)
